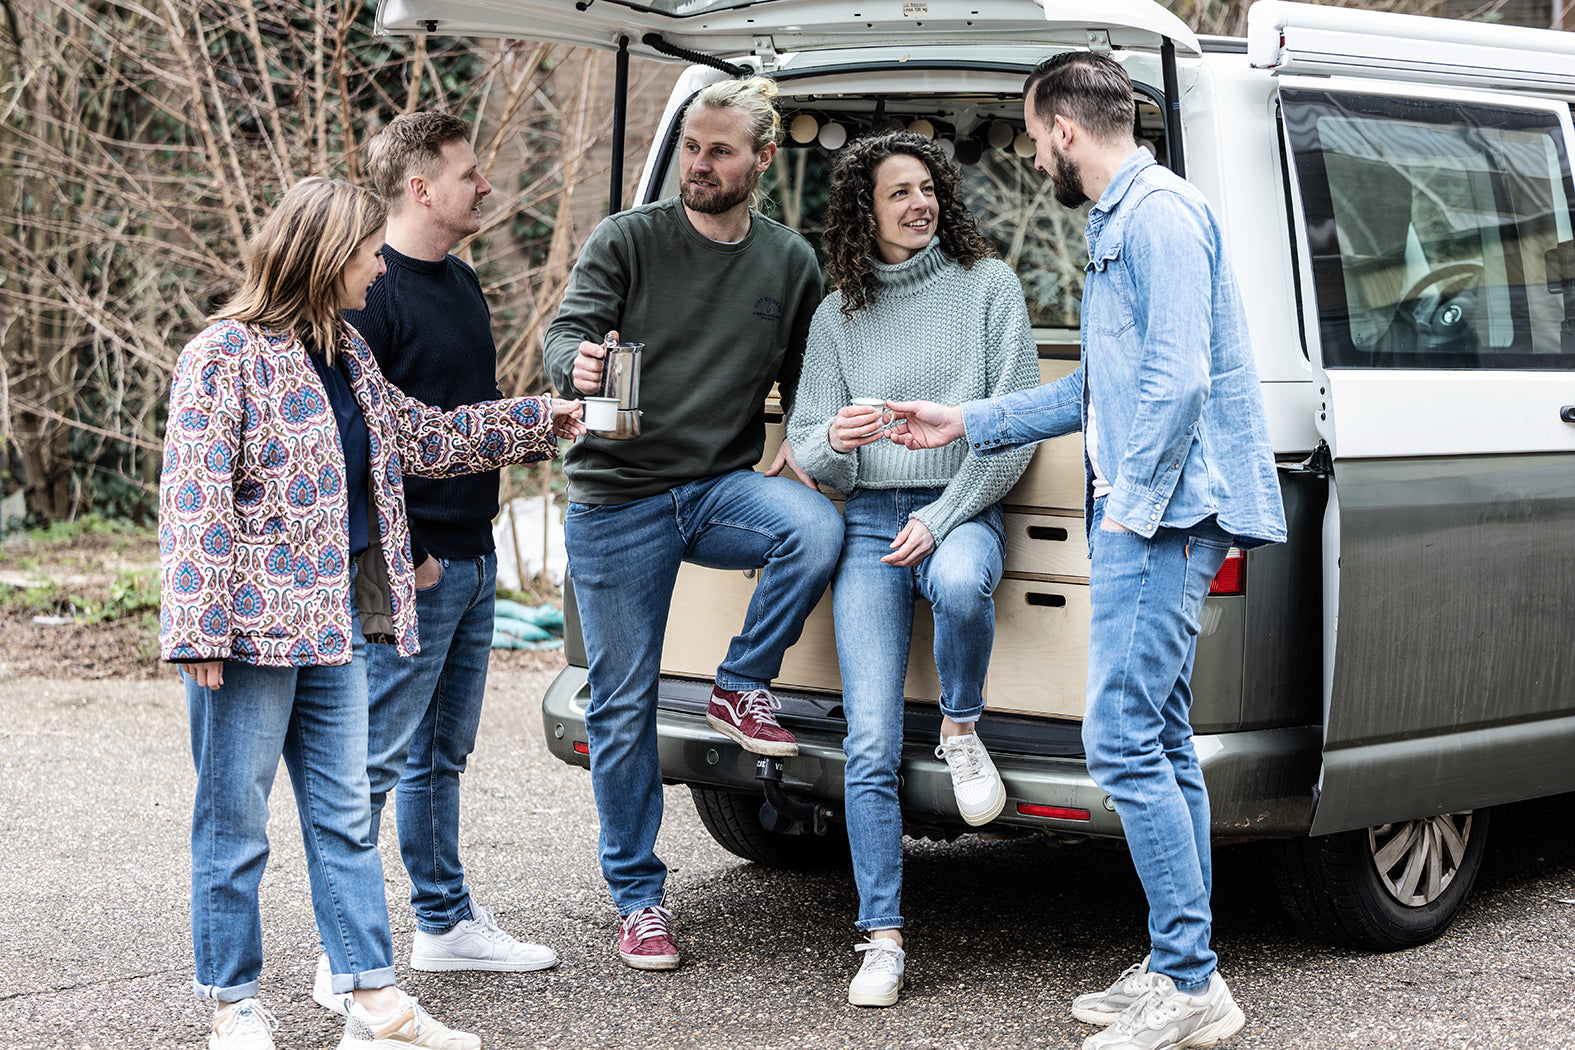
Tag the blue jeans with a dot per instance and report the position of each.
(624, 559)
(1147, 595)
(424, 715)
(873, 606)
(315, 717)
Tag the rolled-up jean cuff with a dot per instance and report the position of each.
(344, 983)
(224, 995)
(738, 685)
(971, 714)
(893, 922)
(649, 902)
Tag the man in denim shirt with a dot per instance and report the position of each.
(1179, 469)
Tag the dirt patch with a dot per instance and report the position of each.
(85, 606)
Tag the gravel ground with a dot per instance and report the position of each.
(95, 796)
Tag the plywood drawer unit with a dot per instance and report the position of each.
(1046, 545)
(1054, 478)
(1040, 662)
(708, 610)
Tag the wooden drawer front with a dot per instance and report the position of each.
(1046, 545)
(1054, 477)
(708, 610)
(1040, 662)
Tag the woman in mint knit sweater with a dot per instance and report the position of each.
(921, 312)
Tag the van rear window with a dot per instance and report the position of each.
(1439, 231)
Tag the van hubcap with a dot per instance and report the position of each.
(1417, 860)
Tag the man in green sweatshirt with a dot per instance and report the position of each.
(722, 298)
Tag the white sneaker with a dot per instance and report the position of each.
(245, 1025)
(408, 1025)
(880, 975)
(980, 794)
(1165, 1019)
(477, 943)
(323, 987)
(1104, 1007)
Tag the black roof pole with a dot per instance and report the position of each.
(1167, 65)
(620, 125)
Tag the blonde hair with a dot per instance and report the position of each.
(411, 144)
(296, 261)
(755, 96)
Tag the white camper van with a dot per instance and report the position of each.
(1397, 196)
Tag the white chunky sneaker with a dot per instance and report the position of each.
(245, 1025)
(1165, 1019)
(408, 1025)
(1104, 1007)
(478, 944)
(980, 794)
(323, 987)
(880, 975)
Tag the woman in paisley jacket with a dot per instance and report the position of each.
(283, 544)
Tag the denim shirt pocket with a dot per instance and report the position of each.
(1109, 309)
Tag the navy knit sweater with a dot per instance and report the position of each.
(430, 330)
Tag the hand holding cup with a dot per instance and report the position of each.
(566, 422)
(859, 423)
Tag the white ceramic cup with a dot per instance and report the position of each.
(888, 418)
(601, 413)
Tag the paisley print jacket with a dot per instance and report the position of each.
(252, 502)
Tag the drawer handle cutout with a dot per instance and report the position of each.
(1049, 601)
(1047, 532)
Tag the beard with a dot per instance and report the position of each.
(714, 200)
(1067, 182)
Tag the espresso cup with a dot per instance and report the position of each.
(888, 418)
(601, 413)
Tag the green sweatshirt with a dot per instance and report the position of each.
(720, 324)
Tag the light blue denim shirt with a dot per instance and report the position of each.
(1168, 364)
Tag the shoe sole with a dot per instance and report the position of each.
(650, 962)
(1210, 1034)
(774, 748)
(979, 819)
(1100, 1017)
(866, 999)
(430, 965)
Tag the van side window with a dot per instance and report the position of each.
(1435, 229)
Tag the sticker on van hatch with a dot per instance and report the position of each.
(916, 9)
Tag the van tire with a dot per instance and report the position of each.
(1331, 887)
(733, 819)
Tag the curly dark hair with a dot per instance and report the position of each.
(850, 214)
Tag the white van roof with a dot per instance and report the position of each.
(741, 27)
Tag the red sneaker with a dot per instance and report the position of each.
(746, 717)
(645, 941)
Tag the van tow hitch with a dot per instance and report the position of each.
(783, 813)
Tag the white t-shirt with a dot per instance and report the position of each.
(1091, 440)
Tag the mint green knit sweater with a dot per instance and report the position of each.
(933, 332)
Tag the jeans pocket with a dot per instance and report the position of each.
(442, 571)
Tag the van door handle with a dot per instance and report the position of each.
(1567, 413)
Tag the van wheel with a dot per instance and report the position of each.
(1387, 887)
(733, 819)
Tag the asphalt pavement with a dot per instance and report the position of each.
(95, 799)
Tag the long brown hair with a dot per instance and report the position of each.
(296, 261)
(849, 240)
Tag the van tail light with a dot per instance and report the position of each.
(1232, 577)
(1028, 809)
(581, 747)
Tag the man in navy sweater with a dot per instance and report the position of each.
(428, 325)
